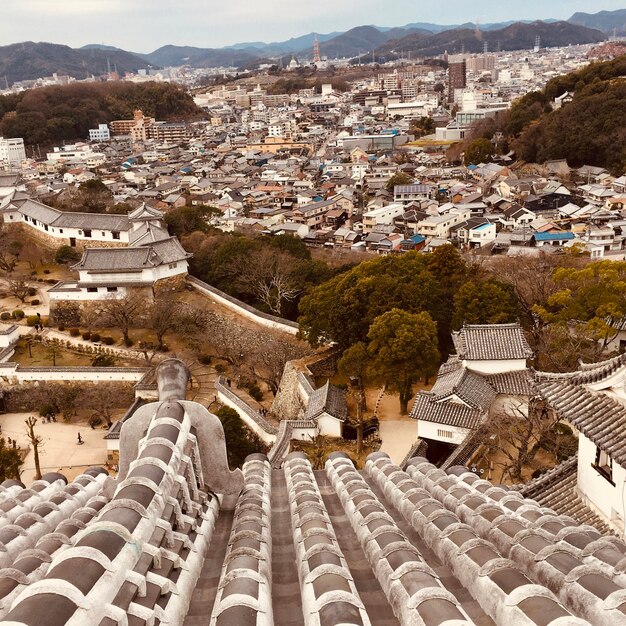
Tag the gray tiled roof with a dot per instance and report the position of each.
(290, 546)
(38, 211)
(94, 221)
(557, 490)
(486, 342)
(512, 383)
(329, 399)
(446, 413)
(471, 388)
(147, 233)
(117, 259)
(170, 250)
(596, 415)
(587, 372)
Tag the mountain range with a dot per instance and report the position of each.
(29, 60)
(606, 21)
(388, 42)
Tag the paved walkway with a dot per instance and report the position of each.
(398, 436)
(60, 452)
(397, 432)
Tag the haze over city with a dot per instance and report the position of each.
(143, 25)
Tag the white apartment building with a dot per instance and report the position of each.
(80, 152)
(12, 152)
(438, 226)
(382, 216)
(102, 133)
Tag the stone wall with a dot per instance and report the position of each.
(243, 309)
(51, 242)
(287, 404)
(171, 284)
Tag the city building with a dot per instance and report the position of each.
(457, 78)
(12, 152)
(102, 133)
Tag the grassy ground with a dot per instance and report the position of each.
(40, 355)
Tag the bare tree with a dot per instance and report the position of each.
(18, 286)
(105, 403)
(359, 419)
(123, 313)
(162, 317)
(268, 361)
(53, 351)
(268, 275)
(514, 436)
(89, 316)
(9, 249)
(36, 441)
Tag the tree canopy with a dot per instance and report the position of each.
(270, 273)
(68, 112)
(240, 441)
(589, 130)
(343, 308)
(10, 461)
(486, 302)
(479, 151)
(592, 296)
(403, 347)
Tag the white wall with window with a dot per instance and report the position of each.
(441, 432)
(601, 483)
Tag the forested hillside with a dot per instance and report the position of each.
(589, 130)
(55, 113)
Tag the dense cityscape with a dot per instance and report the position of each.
(324, 331)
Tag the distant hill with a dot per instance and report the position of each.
(517, 36)
(101, 46)
(440, 28)
(30, 60)
(606, 21)
(52, 114)
(173, 56)
(290, 46)
(361, 39)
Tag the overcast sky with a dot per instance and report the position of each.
(144, 25)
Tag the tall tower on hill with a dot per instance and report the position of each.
(316, 50)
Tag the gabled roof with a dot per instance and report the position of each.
(452, 414)
(327, 399)
(117, 259)
(144, 213)
(487, 342)
(148, 232)
(599, 417)
(464, 384)
(170, 250)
